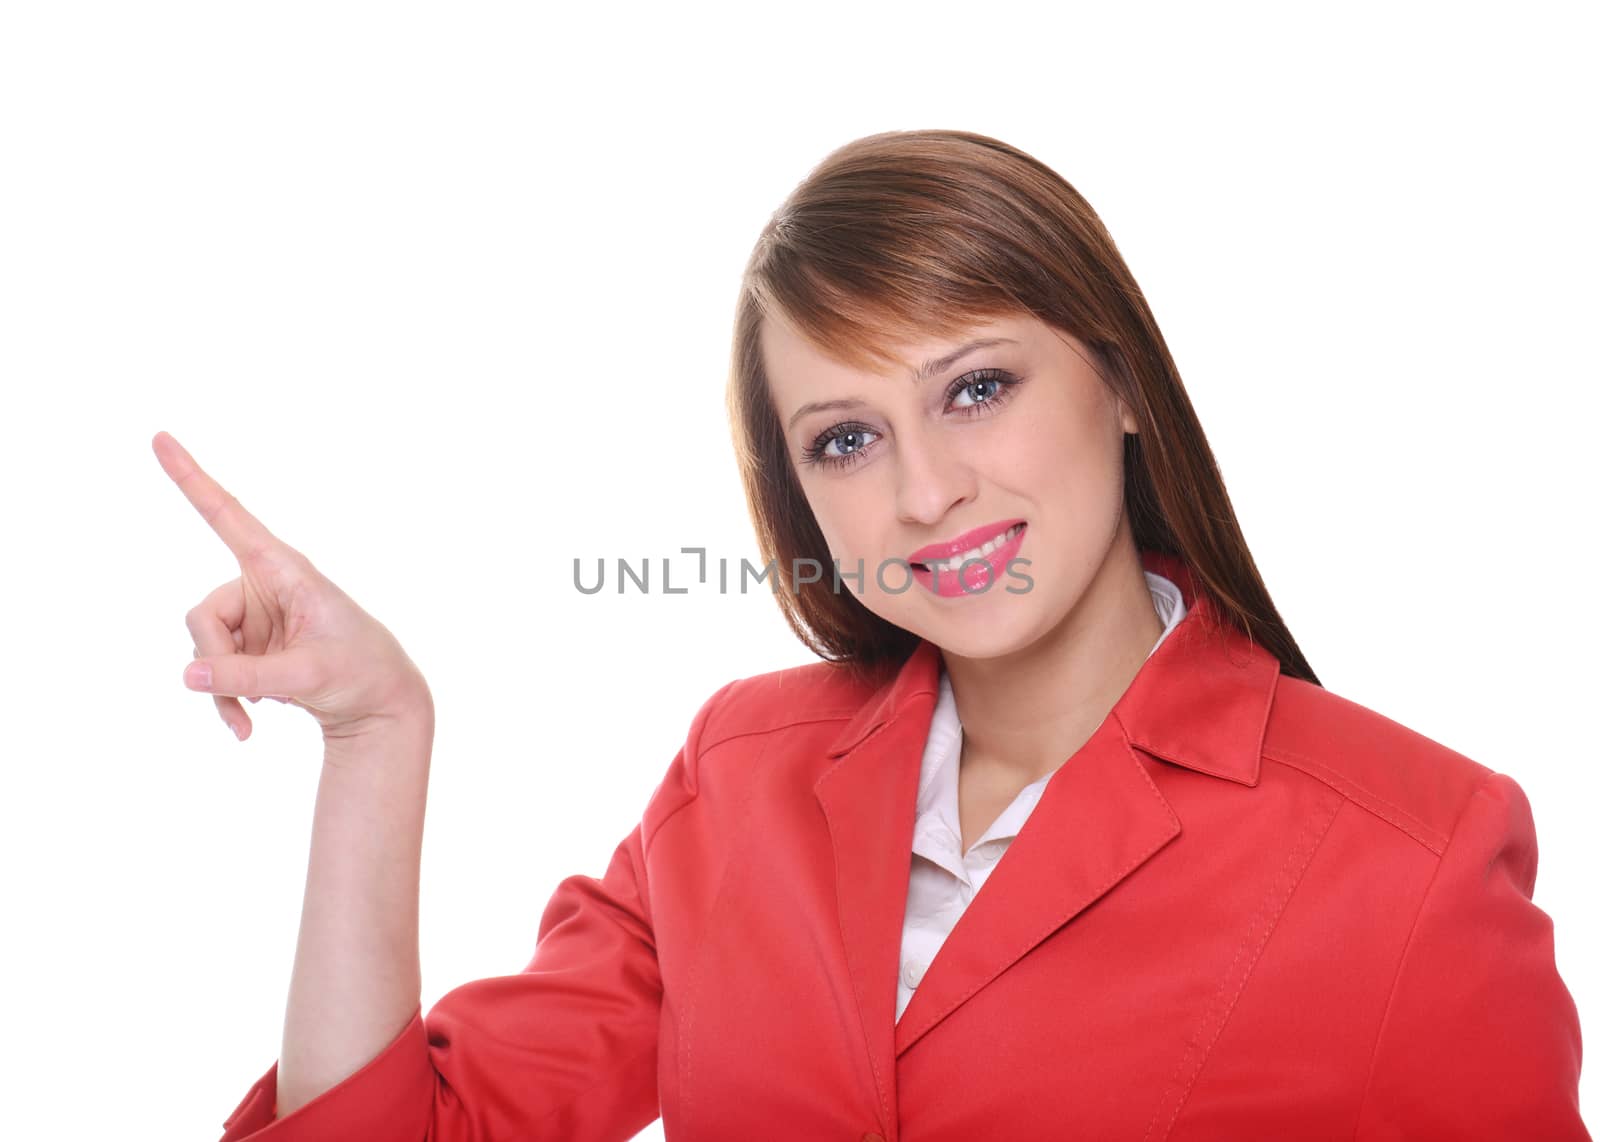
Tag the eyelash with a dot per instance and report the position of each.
(1007, 382)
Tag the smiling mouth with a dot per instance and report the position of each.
(979, 552)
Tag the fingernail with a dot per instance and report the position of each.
(198, 676)
(237, 732)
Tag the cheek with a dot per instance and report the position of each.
(841, 519)
(1072, 467)
(856, 522)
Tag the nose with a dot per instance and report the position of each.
(931, 479)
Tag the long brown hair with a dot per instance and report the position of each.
(906, 231)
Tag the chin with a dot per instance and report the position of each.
(978, 631)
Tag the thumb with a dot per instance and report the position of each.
(291, 673)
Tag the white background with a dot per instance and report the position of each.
(444, 295)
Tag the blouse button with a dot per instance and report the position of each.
(912, 973)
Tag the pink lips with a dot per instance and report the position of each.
(974, 576)
(966, 541)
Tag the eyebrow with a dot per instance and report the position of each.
(928, 369)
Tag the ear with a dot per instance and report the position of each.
(1130, 423)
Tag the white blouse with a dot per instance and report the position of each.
(943, 879)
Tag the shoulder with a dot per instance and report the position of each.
(803, 705)
(1416, 784)
(812, 694)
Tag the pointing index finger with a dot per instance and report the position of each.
(242, 532)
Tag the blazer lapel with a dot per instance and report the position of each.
(869, 799)
(1200, 701)
(1099, 819)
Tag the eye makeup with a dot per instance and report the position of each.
(999, 383)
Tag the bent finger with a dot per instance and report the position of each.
(212, 637)
(294, 673)
(238, 646)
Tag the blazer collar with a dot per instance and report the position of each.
(1200, 701)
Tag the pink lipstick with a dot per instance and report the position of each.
(970, 563)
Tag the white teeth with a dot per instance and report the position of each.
(977, 552)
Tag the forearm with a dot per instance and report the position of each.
(357, 976)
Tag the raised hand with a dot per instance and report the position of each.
(284, 630)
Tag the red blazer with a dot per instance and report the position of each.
(1245, 909)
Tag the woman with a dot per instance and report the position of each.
(1061, 836)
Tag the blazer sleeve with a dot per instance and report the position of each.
(1481, 1036)
(564, 1049)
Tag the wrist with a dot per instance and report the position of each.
(402, 736)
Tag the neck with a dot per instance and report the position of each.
(1026, 713)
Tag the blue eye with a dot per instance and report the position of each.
(991, 388)
(848, 434)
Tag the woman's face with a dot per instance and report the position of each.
(1018, 431)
